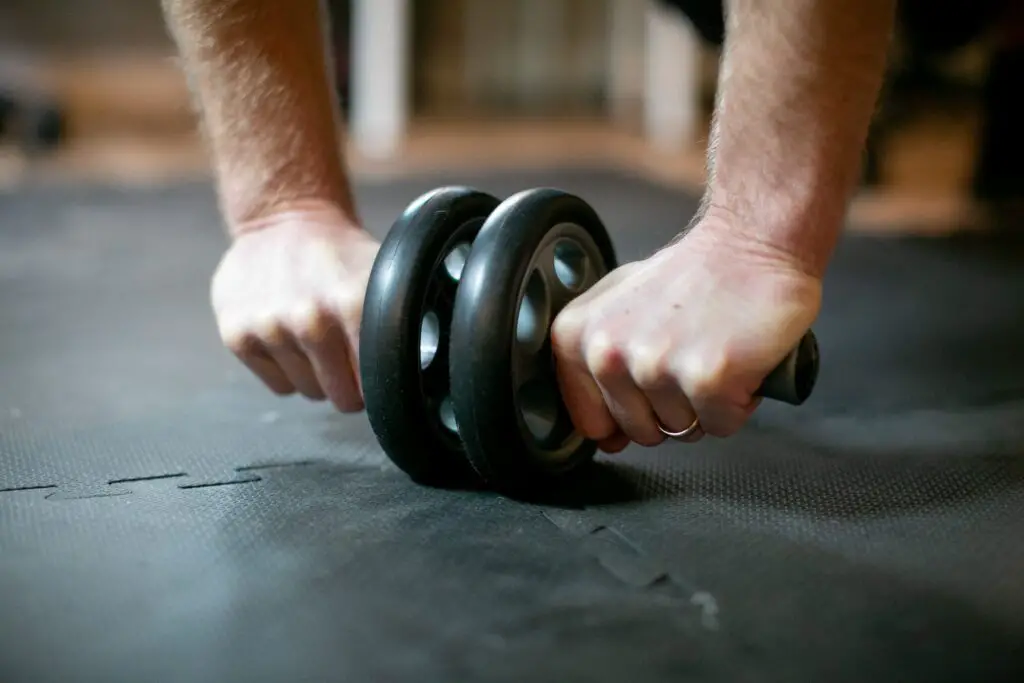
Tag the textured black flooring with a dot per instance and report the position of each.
(162, 518)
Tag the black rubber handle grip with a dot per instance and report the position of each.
(792, 381)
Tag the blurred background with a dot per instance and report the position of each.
(90, 89)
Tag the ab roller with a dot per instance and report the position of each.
(455, 351)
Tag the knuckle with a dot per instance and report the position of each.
(241, 341)
(650, 367)
(237, 338)
(566, 331)
(270, 331)
(706, 373)
(701, 387)
(302, 315)
(350, 308)
(605, 358)
(310, 323)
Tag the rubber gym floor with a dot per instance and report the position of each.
(163, 518)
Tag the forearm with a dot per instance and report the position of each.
(797, 91)
(259, 73)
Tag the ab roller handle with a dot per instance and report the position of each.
(792, 380)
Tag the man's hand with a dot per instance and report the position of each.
(693, 331)
(288, 294)
(690, 332)
(288, 298)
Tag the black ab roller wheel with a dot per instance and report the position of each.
(403, 341)
(537, 252)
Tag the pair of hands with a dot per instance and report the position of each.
(689, 332)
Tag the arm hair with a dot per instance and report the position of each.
(797, 90)
(260, 76)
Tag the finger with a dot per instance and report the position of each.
(722, 418)
(607, 282)
(350, 313)
(626, 402)
(616, 443)
(580, 393)
(671, 407)
(575, 308)
(584, 400)
(674, 412)
(326, 345)
(332, 364)
(286, 352)
(714, 392)
(252, 354)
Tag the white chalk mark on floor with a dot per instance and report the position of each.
(709, 609)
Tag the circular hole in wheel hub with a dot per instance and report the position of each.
(538, 404)
(447, 414)
(570, 264)
(455, 261)
(430, 336)
(532, 320)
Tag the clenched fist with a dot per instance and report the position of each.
(683, 338)
(288, 299)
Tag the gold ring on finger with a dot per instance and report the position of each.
(694, 426)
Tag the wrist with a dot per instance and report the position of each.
(800, 228)
(313, 211)
(251, 208)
